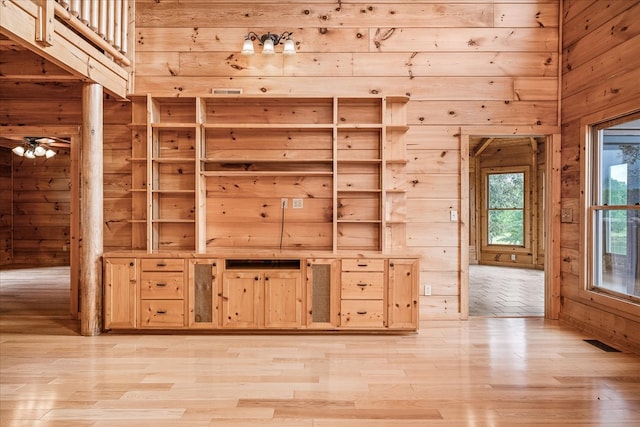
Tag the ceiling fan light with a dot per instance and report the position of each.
(29, 154)
(19, 150)
(39, 151)
(49, 153)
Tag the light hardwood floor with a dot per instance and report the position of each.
(481, 372)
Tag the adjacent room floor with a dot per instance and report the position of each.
(505, 291)
(480, 372)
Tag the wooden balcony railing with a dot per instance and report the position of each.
(101, 22)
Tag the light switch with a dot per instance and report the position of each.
(453, 215)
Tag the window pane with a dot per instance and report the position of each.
(617, 251)
(619, 180)
(506, 191)
(506, 227)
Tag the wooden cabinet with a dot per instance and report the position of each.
(241, 299)
(323, 293)
(162, 293)
(262, 299)
(208, 292)
(204, 294)
(120, 290)
(402, 310)
(362, 293)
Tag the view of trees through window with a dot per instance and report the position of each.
(505, 208)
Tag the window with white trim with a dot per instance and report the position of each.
(614, 211)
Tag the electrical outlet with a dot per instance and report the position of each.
(453, 215)
(566, 215)
(297, 203)
(283, 202)
(427, 290)
(513, 257)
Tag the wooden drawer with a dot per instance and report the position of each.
(162, 264)
(362, 264)
(161, 313)
(162, 285)
(362, 285)
(362, 314)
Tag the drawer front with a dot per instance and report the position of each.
(362, 265)
(362, 285)
(162, 285)
(161, 313)
(361, 314)
(162, 264)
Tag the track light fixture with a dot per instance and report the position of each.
(31, 148)
(268, 42)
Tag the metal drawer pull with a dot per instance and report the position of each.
(362, 312)
(161, 285)
(363, 284)
(161, 311)
(363, 265)
(161, 264)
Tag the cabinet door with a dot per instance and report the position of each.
(120, 293)
(403, 294)
(241, 299)
(282, 299)
(203, 293)
(323, 293)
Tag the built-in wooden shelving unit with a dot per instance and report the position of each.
(212, 172)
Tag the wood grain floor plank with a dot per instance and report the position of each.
(481, 372)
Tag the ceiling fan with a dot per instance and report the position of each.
(39, 146)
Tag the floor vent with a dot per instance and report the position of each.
(602, 346)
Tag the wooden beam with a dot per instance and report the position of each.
(44, 22)
(483, 146)
(68, 51)
(92, 211)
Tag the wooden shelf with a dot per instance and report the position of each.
(155, 190)
(358, 221)
(366, 190)
(258, 161)
(397, 128)
(161, 125)
(265, 173)
(174, 159)
(176, 220)
(274, 126)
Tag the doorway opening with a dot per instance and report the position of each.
(508, 197)
(43, 204)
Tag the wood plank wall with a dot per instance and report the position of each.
(600, 74)
(477, 62)
(6, 211)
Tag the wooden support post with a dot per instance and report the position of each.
(91, 211)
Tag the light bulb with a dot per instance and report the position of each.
(268, 48)
(247, 47)
(29, 154)
(39, 151)
(19, 150)
(49, 153)
(289, 47)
